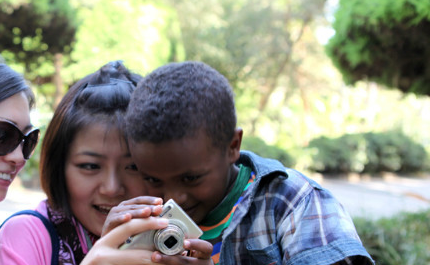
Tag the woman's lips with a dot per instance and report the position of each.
(5, 180)
(103, 209)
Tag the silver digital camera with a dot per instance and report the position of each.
(169, 240)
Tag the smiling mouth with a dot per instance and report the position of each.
(4, 176)
(102, 209)
(191, 210)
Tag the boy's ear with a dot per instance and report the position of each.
(233, 151)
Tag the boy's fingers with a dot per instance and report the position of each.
(119, 234)
(113, 221)
(140, 211)
(125, 211)
(199, 248)
(136, 210)
(179, 260)
(200, 251)
(148, 200)
(172, 260)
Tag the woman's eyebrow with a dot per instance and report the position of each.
(28, 127)
(90, 153)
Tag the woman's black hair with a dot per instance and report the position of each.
(99, 98)
(12, 83)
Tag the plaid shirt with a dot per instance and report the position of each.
(286, 218)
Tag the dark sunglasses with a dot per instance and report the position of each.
(11, 137)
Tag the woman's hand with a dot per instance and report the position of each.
(139, 207)
(106, 250)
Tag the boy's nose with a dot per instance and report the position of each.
(178, 196)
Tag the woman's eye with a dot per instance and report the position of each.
(89, 166)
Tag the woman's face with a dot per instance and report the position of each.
(99, 175)
(14, 109)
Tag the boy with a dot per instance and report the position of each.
(181, 125)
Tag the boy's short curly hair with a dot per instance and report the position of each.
(179, 99)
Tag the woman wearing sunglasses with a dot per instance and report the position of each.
(18, 138)
(85, 169)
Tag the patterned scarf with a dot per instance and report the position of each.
(75, 240)
(220, 218)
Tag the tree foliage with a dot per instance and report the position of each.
(286, 88)
(390, 151)
(38, 34)
(258, 146)
(399, 240)
(384, 41)
(144, 34)
(33, 31)
(251, 42)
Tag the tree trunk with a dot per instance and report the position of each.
(306, 125)
(57, 79)
(371, 105)
(271, 86)
(272, 82)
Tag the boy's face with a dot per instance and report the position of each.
(190, 171)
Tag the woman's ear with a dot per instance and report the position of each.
(234, 146)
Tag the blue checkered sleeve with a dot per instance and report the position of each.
(300, 217)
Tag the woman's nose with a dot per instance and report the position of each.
(111, 185)
(16, 157)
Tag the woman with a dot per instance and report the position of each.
(18, 138)
(86, 169)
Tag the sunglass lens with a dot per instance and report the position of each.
(9, 138)
(30, 143)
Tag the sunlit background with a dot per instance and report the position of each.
(293, 103)
(273, 52)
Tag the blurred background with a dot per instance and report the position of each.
(336, 89)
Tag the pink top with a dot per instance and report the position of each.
(24, 240)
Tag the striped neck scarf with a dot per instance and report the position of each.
(219, 219)
(75, 240)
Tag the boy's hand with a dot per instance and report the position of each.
(139, 207)
(200, 254)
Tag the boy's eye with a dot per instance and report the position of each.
(188, 179)
(132, 167)
(88, 166)
(152, 180)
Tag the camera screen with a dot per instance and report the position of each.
(170, 242)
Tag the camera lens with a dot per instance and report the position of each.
(170, 242)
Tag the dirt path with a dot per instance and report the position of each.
(380, 197)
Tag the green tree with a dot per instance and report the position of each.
(37, 34)
(144, 34)
(251, 42)
(383, 41)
